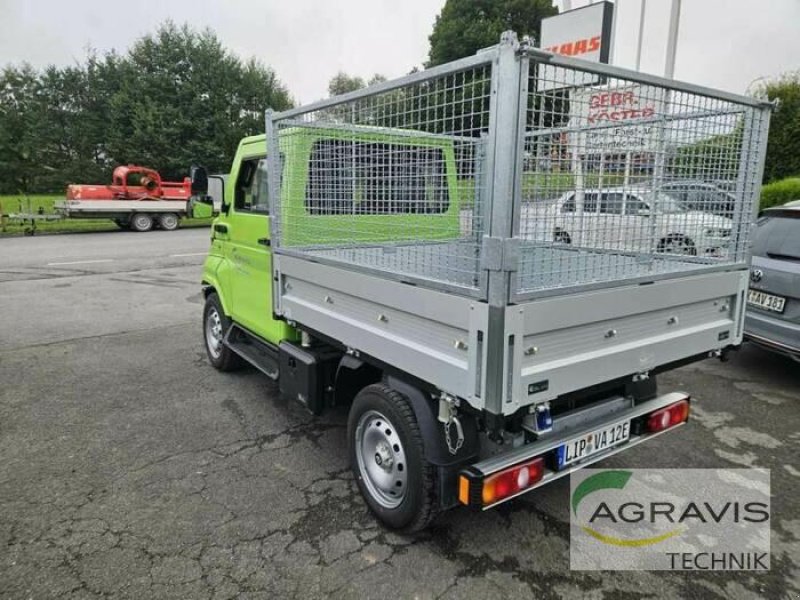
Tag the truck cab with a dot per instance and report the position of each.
(239, 265)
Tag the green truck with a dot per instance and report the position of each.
(380, 251)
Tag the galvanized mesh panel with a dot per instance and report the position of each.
(389, 180)
(624, 180)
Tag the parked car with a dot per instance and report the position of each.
(698, 195)
(635, 220)
(773, 302)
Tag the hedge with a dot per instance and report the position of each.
(780, 192)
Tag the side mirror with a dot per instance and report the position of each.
(199, 179)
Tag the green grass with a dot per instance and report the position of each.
(33, 204)
(780, 192)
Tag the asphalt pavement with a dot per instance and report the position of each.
(129, 468)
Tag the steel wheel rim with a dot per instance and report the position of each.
(381, 459)
(169, 221)
(214, 332)
(142, 221)
(677, 247)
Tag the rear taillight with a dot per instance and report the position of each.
(485, 491)
(667, 417)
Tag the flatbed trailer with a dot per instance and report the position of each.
(139, 215)
(384, 250)
(144, 214)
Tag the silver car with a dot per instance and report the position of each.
(773, 302)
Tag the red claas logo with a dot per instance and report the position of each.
(584, 46)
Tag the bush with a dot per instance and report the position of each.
(780, 192)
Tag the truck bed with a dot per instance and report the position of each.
(542, 267)
(109, 208)
(421, 222)
(552, 345)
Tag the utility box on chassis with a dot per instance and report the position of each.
(492, 340)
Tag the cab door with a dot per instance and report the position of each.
(249, 255)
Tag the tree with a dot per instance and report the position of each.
(342, 83)
(184, 98)
(465, 26)
(783, 147)
(178, 97)
(18, 150)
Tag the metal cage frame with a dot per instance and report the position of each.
(495, 222)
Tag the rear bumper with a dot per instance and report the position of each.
(547, 447)
(772, 333)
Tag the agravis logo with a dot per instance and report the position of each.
(706, 519)
(611, 480)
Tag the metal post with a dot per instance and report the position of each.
(502, 150)
(613, 41)
(502, 155)
(638, 63)
(672, 38)
(274, 192)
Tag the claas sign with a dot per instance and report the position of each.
(583, 33)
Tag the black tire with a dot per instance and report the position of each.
(141, 222)
(562, 237)
(380, 408)
(677, 244)
(168, 221)
(219, 355)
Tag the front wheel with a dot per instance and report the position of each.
(388, 459)
(215, 325)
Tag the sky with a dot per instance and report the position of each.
(725, 44)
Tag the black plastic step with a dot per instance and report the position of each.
(262, 355)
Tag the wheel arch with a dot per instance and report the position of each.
(209, 286)
(354, 374)
(425, 409)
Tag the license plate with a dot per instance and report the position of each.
(592, 443)
(766, 301)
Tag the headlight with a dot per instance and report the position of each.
(718, 232)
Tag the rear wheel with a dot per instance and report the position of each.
(141, 222)
(215, 325)
(677, 244)
(388, 459)
(168, 221)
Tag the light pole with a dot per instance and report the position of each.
(672, 39)
(641, 35)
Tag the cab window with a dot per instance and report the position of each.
(590, 202)
(611, 203)
(251, 187)
(376, 178)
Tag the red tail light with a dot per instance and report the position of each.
(667, 417)
(503, 484)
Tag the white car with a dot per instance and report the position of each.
(634, 221)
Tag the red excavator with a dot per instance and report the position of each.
(132, 182)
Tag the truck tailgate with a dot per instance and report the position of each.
(573, 342)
